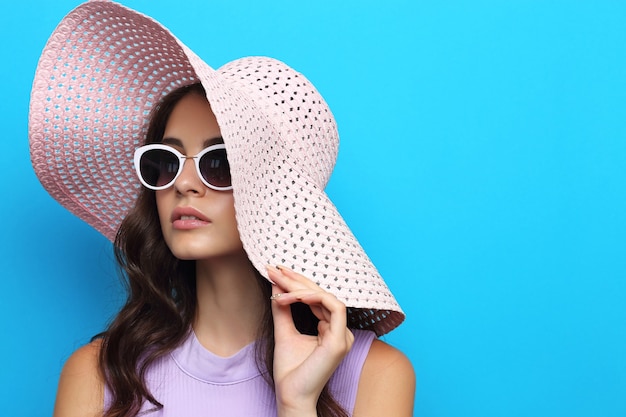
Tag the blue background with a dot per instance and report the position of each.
(482, 166)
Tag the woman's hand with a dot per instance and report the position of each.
(303, 364)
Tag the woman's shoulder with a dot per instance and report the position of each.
(81, 387)
(387, 383)
(383, 356)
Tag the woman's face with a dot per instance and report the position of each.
(197, 222)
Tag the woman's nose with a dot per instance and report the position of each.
(188, 182)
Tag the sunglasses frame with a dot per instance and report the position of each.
(182, 158)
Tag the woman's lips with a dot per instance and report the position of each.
(186, 218)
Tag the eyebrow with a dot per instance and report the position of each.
(179, 143)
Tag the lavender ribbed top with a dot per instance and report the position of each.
(192, 381)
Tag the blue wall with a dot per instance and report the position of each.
(482, 166)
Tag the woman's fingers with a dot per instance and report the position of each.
(283, 319)
(301, 289)
(324, 305)
(290, 280)
(294, 288)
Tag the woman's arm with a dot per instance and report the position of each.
(81, 388)
(387, 384)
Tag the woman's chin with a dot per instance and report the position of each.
(199, 251)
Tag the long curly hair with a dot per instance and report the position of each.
(161, 300)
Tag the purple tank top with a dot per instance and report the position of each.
(192, 381)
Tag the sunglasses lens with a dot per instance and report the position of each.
(158, 167)
(215, 169)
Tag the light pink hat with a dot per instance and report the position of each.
(100, 74)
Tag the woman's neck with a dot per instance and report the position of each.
(230, 304)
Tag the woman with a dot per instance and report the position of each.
(219, 245)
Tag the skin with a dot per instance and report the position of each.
(229, 304)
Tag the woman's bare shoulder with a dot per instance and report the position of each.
(81, 386)
(387, 384)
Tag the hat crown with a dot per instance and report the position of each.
(306, 127)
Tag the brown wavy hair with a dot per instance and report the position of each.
(161, 300)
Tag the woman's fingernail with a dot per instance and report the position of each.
(275, 296)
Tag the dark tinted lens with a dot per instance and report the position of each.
(158, 167)
(215, 169)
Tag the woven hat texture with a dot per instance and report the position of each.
(103, 69)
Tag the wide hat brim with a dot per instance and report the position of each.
(104, 68)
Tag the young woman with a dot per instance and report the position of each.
(248, 295)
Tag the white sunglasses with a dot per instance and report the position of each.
(158, 166)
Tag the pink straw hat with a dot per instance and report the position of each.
(101, 72)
